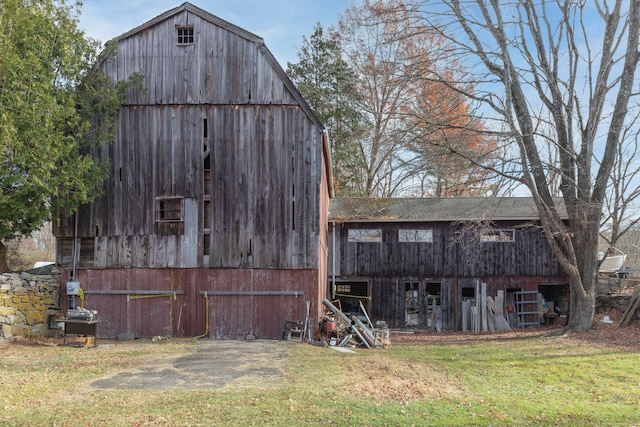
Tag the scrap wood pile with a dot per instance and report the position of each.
(339, 329)
(634, 303)
(484, 314)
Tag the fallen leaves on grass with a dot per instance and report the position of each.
(405, 381)
(600, 334)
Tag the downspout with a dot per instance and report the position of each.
(74, 258)
(333, 262)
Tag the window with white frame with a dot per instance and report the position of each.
(365, 235)
(498, 235)
(417, 236)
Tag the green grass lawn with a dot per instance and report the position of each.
(493, 382)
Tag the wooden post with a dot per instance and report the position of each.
(476, 314)
(454, 299)
(483, 307)
(465, 315)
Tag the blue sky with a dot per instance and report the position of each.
(281, 23)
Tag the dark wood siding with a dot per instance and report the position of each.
(528, 255)
(266, 172)
(456, 259)
(265, 184)
(265, 154)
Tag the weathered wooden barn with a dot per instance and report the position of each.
(213, 221)
(411, 261)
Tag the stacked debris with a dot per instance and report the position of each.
(81, 314)
(634, 303)
(339, 329)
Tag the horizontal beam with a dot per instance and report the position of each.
(129, 292)
(292, 293)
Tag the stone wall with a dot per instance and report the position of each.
(26, 301)
(615, 294)
(605, 303)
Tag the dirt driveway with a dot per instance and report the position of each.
(209, 365)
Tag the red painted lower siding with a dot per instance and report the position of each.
(172, 302)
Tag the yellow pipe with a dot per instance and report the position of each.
(81, 295)
(352, 296)
(206, 331)
(151, 296)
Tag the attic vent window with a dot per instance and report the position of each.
(185, 35)
(169, 209)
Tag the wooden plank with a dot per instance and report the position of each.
(501, 323)
(490, 314)
(483, 306)
(465, 314)
(634, 302)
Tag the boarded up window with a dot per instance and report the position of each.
(419, 236)
(365, 235)
(85, 256)
(87, 251)
(185, 35)
(65, 252)
(169, 209)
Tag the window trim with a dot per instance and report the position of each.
(365, 235)
(179, 217)
(404, 233)
(497, 235)
(181, 36)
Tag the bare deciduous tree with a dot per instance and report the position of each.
(378, 48)
(621, 210)
(390, 50)
(557, 76)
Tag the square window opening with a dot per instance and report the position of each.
(185, 35)
(468, 293)
(169, 209)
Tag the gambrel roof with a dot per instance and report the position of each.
(249, 37)
(240, 32)
(436, 209)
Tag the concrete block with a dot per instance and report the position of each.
(127, 336)
(40, 329)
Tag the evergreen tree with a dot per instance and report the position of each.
(328, 85)
(43, 116)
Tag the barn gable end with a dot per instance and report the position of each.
(218, 172)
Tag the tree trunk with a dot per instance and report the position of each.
(581, 312)
(4, 267)
(583, 285)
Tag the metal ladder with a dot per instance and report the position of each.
(527, 311)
